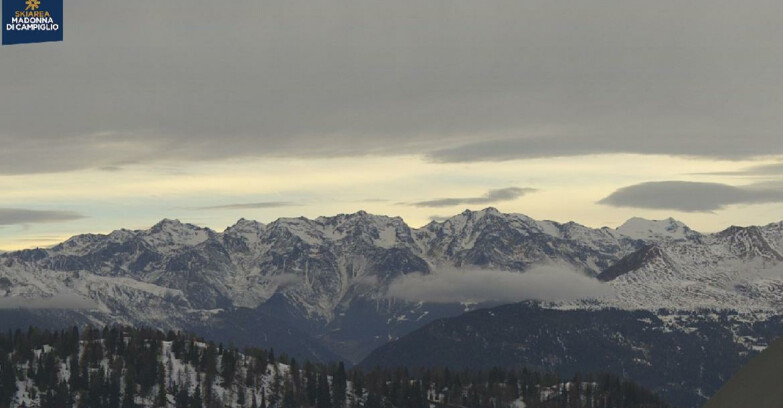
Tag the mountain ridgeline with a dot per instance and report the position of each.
(321, 289)
(322, 279)
(119, 367)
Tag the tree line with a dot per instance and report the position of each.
(124, 367)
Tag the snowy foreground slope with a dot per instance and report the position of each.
(329, 277)
(140, 368)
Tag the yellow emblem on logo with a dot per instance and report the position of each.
(33, 4)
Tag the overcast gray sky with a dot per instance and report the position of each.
(472, 95)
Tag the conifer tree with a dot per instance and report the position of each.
(197, 401)
(161, 400)
(323, 396)
(339, 385)
(241, 396)
(129, 394)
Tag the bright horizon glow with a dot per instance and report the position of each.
(568, 189)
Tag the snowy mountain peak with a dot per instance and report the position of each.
(176, 228)
(78, 243)
(644, 229)
(170, 234)
(359, 217)
(244, 225)
(167, 223)
(479, 213)
(750, 242)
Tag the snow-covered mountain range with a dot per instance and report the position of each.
(326, 279)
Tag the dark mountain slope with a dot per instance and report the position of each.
(251, 328)
(759, 384)
(632, 344)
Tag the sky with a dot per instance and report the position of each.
(208, 112)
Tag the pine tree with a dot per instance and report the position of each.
(182, 398)
(323, 398)
(197, 401)
(288, 397)
(161, 400)
(310, 384)
(129, 396)
(241, 396)
(75, 371)
(7, 381)
(250, 377)
(228, 366)
(114, 390)
(339, 384)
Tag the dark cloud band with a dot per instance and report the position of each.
(492, 196)
(291, 78)
(692, 196)
(17, 216)
(774, 169)
(250, 206)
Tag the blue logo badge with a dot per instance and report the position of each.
(32, 21)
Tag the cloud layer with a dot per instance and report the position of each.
(774, 169)
(53, 302)
(293, 78)
(547, 283)
(16, 216)
(691, 196)
(492, 196)
(250, 206)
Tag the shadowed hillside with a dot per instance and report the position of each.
(759, 384)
